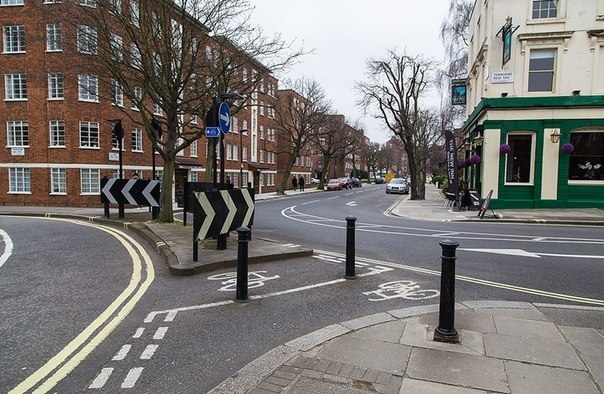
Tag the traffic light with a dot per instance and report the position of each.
(118, 130)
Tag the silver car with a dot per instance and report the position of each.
(397, 185)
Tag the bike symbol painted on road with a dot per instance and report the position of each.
(401, 289)
(254, 279)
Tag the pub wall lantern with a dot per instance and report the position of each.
(555, 136)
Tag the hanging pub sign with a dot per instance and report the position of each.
(506, 32)
(458, 92)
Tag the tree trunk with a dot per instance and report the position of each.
(166, 212)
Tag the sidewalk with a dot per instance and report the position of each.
(505, 347)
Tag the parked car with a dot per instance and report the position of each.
(314, 181)
(346, 183)
(397, 185)
(379, 179)
(334, 184)
(356, 182)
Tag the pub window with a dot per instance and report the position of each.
(541, 70)
(585, 162)
(518, 164)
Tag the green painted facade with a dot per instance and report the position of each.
(529, 196)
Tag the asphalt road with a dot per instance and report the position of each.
(186, 334)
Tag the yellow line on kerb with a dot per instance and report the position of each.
(107, 321)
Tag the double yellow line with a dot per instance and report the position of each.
(64, 362)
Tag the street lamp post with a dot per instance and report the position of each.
(241, 157)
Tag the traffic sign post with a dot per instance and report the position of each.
(212, 132)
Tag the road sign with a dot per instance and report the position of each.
(222, 211)
(224, 117)
(212, 131)
(133, 191)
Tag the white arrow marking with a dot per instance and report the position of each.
(107, 191)
(250, 207)
(210, 213)
(126, 192)
(523, 253)
(352, 204)
(510, 252)
(230, 204)
(147, 193)
(225, 118)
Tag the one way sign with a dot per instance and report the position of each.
(133, 191)
(222, 211)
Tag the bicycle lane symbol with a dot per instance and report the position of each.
(401, 289)
(229, 280)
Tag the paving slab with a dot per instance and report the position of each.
(386, 332)
(527, 378)
(595, 366)
(477, 372)
(423, 387)
(586, 340)
(527, 328)
(422, 335)
(367, 353)
(532, 350)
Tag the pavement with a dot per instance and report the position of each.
(502, 347)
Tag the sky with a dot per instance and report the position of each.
(344, 34)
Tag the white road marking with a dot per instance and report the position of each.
(160, 333)
(148, 352)
(132, 377)
(100, 380)
(524, 253)
(122, 353)
(8, 247)
(139, 332)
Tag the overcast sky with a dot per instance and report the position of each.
(345, 34)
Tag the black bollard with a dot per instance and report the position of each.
(242, 253)
(350, 246)
(446, 332)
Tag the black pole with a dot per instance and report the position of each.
(350, 246)
(221, 243)
(242, 254)
(446, 332)
(121, 213)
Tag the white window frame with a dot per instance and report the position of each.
(90, 181)
(12, 3)
(19, 180)
(58, 181)
(136, 140)
(87, 3)
(117, 47)
(193, 149)
(89, 135)
(117, 94)
(135, 13)
(534, 51)
(56, 133)
(88, 88)
(137, 93)
(15, 87)
(17, 133)
(54, 37)
(87, 40)
(14, 39)
(56, 88)
(531, 180)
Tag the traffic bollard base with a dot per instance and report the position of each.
(448, 336)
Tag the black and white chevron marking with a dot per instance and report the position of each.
(131, 191)
(220, 212)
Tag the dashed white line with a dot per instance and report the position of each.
(160, 333)
(100, 380)
(170, 316)
(122, 353)
(148, 352)
(132, 377)
(138, 333)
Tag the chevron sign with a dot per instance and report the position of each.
(131, 191)
(222, 211)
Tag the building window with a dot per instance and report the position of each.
(137, 98)
(193, 119)
(543, 9)
(14, 39)
(541, 70)
(586, 161)
(12, 2)
(89, 135)
(55, 86)
(88, 3)
(58, 181)
(193, 149)
(57, 133)
(518, 166)
(157, 110)
(137, 140)
(117, 94)
(88, 88)
(54, 41)
(90, 180)
(116, 47)
(15, 87)
(19, 180)
(244, 153)
(87, 40)
(17, 133)
(135, 13)
(115, 6)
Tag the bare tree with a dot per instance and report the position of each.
(371, 155)
(395, 86)
(336, 141)
(299, 111)
(173, 58)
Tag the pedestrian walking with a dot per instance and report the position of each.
(301, 183)
(295, 182)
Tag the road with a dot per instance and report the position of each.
(186, 334)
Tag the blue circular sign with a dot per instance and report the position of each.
(224, 117)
